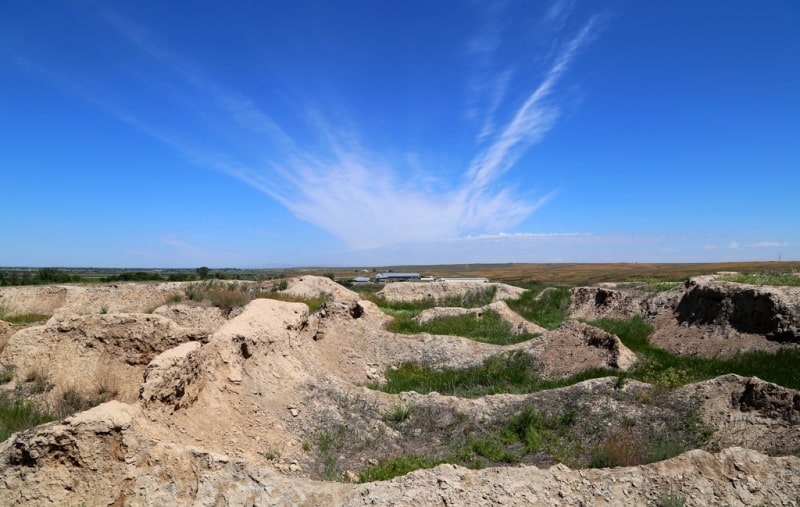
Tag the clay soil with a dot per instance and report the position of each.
(276, 403)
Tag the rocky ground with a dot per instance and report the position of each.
(216, 406)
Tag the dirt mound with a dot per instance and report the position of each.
(704, 316)
(712, 318)
(276, 395)
(106, 457)
(87, 353)
(6, 330)
(257, 366)
(733, 477)
(749, 412)
(574, 347)
(593, 303)
(207, 318)
(519, 324)
(318, 286)
(84, 299)
(438, 291)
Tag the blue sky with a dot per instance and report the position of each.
(257, 134)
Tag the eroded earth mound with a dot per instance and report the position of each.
(704, 316)
(274, 404)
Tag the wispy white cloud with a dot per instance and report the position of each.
(767, 244)
(759, 244)
(237, 106)
(558, 14)
(532, 120)
(362, 197)
(497, 93)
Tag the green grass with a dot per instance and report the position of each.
(548, 310)
(489, 328)
(387, 469)
(652, 284)
(537, 431)
(668, 370)
(398, 414)
(513, 372)
(472, 299)
(18, 414)
(22, 318)
(766, 277)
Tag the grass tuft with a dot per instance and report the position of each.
(387, 469)
(17, 414)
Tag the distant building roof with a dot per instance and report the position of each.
(396, 276)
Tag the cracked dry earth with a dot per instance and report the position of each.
(232, 409)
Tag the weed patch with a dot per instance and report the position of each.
(766, 277)
(513, 372)
(22, 318)
(548, 307)
(472, 299)
(387, 469)
(18, 414)
(488, 328)
(667, 370)
(228, 296)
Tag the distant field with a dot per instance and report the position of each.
(569, 274)
(574, 273)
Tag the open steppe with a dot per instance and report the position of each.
(637, 385)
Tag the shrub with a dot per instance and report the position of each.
(621, 448)
(227, 299)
